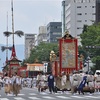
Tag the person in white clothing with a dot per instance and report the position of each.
(19, 82)
(97, 82)
(6, 82)
(39, 76)
(15, 84)
(63, 81)
(75, 82)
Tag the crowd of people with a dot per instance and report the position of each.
(12, 85)
(77, 82)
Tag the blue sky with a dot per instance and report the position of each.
(28, 16)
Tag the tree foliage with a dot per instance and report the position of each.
(91, 38)
(42, 52)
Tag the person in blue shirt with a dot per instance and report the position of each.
(51, 82)
(82, 84)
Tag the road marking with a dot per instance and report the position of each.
(9, 95)
(63, 97)
(95, 97)
(43, 93)
(47, 97)
(19, 98)
(34, 98)
(32, 94)
(21, 94)
(78, 97)
(4, 99)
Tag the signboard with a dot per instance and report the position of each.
(36, 68)
(68, 54)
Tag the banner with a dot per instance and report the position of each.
(68, 54)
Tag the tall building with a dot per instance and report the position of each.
(97, 11)
(42, 29)
(29, 44)
(76, 14)
(54, 30)
(42, 36)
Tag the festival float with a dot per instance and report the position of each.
(68, 60)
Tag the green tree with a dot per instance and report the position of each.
(91, 37)
(84, 28)
(42, 52)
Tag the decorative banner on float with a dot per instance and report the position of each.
(68, 54)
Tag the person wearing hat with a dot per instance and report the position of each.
(6, 82)
(15, 84)
(90, 81)
(63, 81)
(18, 83)
(81, 75)
(75, 81)
(38, 83)
(97, 82)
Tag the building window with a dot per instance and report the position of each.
(78, 1)
(85, 20)
(85, 0)
(92, 21)
(79, 14)
(93, 13)
(79, 20)
(79, 27)
(78, 6)
(58, 26)
(47, 28)
(55, 26)
(85, 13)
(56, 33)
(93, 6)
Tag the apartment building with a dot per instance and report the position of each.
(29, 44)
(42, 36)
(76, 14)
(97, 11)
(54, 31)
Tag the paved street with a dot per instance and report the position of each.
(32, 94)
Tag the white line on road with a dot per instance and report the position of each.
(43, 93)
(34, 98)
(77, 96)
(63, 97)
(21, 94)
(95, 97)
(4, 99)
(47, 97)
(19, 98)
(32, 94)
